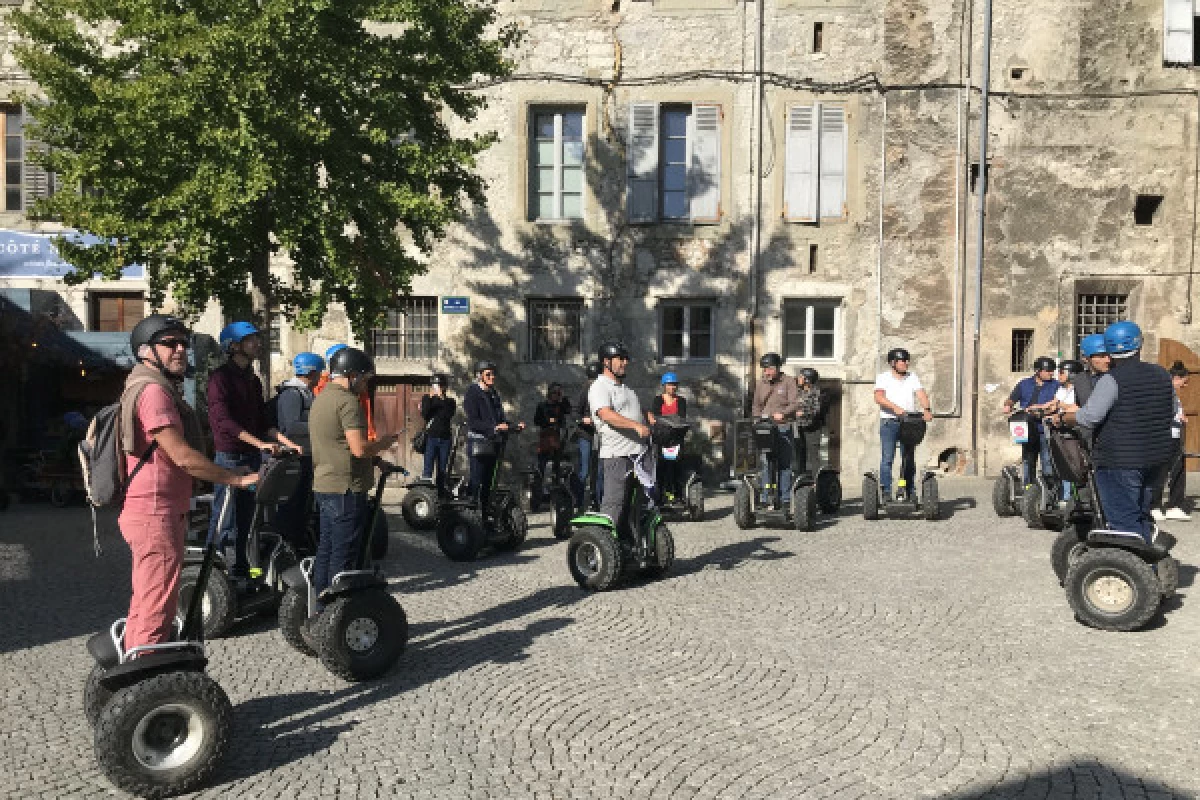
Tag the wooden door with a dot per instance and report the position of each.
(397, 406)
(1170, 351)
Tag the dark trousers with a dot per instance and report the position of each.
(1174, 480)
(342, 518)
(437, 454)
(482, 470)
(668, 477)
(1126, 495)
(783, 449)
(617, 476)
(291, 516)
(1037, 446)
(237, 526)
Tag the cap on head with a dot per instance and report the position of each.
(613, 350)
(485, 364)
(307, 363)
(332, 351)
(1092, 345)
(810, 375)
(350, 361)
(1122, 339)
(771, 360)
(234, 332)
(440, 380)
(669, 377)
(1043, 362)
(154, 327)
(898, 354)
(1178, 370)
(1070, 366)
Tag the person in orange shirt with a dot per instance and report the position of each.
(364, 399)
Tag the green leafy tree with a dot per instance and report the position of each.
(208, 135)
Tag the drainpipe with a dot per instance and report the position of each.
(985, 82)
(958, 265)
(879, 261)
(756, 230)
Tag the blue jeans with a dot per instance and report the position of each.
(291, 517)
(437, 452)
(237, 526)
(1126, 495)
(782, 450)
(889, 437)
(342, 522)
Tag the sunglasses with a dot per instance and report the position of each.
(488, 374)
(173, 344)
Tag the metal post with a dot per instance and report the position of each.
(985, 82)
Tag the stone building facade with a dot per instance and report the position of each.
(633, 194)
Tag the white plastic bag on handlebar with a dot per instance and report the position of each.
(1019, 430)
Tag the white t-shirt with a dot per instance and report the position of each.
(615, 442)
(901, 391)
(1065, 394)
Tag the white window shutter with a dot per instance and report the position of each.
(833, 162)
(642, 194)
(704, 171)
(1178, 23)
(800, 179)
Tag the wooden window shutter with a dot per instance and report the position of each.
(704, 171)
(832, 190)
(642, 158)
(800, 177)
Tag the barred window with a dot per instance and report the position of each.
(410, 330)
(555, 330)
(1022, 350)
(1095, 312)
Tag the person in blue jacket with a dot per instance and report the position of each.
(1036, 392)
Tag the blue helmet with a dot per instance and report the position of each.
(1092, 345)
(329, 354)
(234, 332)
(669, 377)
(1122, 337)
(308, 363)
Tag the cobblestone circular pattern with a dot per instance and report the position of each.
(893, 659)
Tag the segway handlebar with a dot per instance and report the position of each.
(388, 468)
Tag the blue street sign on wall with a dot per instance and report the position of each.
(456, 305)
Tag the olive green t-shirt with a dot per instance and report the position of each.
(335, 470)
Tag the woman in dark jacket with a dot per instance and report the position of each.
(485, 424)
(437, 409)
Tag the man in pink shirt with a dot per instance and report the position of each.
(156, 418)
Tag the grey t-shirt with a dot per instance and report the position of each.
(615, 442)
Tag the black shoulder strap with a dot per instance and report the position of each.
(141, 462)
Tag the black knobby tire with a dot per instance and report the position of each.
(1060, 553)
(293, 611)
(695, 502)
(420, 508)
(163, 735)
(562, 508)
(460, 533)
(870, 498)
(1129, 583)
(360, 635)
(743, 514)
(1002, 502)
(512, 524)
(594, 558)
(219, 610)
(931, 507)
(95, 695)
(804, 508)
(664, 553)
(1031, 506)
(829, 491)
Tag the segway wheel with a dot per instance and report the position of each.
(218, 607)
(1031, 506)
(95, 696)
(460, 533)
(379, 539)
(562, 508)
(594, 558)
(1060, 553)
(293, 611)
(1001, 496)
(695, 501)
(1112, 589)
(829, 491)
(804, 508)
(512, 523)
(930, 502)
(743, 515)
(163, 735)
(420, 508)
(870, 498)
(664, 553)
(360, 635)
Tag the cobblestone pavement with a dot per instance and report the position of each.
(895, 659)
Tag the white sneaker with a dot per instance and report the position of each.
(1177, 513)
(1158, 515)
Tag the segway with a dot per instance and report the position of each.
(794, 505)
(465, 528)
(1009, 487)
(161, 724)
(906, 502)
(1114, 580)
(555, 487)
(269, 556)
(361, 630)
(421, 498)
(600, 554)
(689, 502)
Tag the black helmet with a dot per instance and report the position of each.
(593, 371)
(613, 350)
(771, 360)
(350, 360)
(1043, 362)
(810, 375)
(898, 354)
(480, 366)
(439, 380)
(154, 327)
(1070, 366)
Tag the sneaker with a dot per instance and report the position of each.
(1158, 515)
(1177, 513)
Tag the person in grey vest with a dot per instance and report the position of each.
(293, 400)
(1129, 413)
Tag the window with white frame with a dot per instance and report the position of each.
(811, 329)
(276, 332)
(1179, 30)
(409, 331)
(674, 163)
(555, 330)
(556, 177)
(686, 331)
(814, 183)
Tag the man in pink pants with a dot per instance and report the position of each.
(154, 516)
